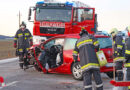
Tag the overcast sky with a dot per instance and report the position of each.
(111, 13)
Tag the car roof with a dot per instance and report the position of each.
(77, 36)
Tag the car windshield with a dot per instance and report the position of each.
(58, 15)
(105, 42)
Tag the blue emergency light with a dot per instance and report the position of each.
(40, 2)
(69, 3)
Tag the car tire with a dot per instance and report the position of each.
(77, 72)
(110, 74)
(37, 67)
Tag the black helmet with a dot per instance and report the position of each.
(23, 24)
(83, 31)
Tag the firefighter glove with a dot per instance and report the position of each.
(15, 45)
(31, 43)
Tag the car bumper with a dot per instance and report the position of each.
(107, 68)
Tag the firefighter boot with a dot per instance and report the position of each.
(120, 75)
(21, 62)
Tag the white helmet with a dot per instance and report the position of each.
(113, 31)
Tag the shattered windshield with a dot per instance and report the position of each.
(58, 15)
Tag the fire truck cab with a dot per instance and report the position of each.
(53, 18)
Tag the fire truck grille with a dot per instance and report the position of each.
(48, 30)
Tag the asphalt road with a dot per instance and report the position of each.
(17, 79)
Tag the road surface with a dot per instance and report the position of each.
(17, 79)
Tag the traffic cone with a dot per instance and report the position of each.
(2, 84)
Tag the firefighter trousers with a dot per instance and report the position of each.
(119, 70)
(87, 76)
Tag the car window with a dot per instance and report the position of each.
(57, 41)
(49, 44)
(105, 42)
(70, 43)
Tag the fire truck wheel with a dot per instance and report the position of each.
(110, 74)
(77, 72)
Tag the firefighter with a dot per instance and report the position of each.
(119, 52)
(127, 55)
(22, 41)
(86, 46)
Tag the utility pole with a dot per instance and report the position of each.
(19, 18)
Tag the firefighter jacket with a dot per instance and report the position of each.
(86, 46)
(119, 48)
(23, 39)
(127, 52)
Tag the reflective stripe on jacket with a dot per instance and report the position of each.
(22, 38)
(85, 47)
(119, 46)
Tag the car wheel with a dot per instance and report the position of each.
(77, 72)
(110, 74)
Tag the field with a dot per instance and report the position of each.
(6, 49)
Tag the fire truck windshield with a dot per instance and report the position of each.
(56, 15)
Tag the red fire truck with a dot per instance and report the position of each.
(53, 18)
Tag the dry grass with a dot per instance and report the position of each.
(6, 49)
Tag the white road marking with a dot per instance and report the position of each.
(8, 60)
(10, 84)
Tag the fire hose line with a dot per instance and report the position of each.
(2, 84)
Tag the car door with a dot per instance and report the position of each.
(49, 44)
(67, 54)
(84, 17)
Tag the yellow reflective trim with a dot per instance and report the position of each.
(127, 65)
(27, 49)
(114, 42)
(119, 46)
(30, 37)
(123, 41)
(89, 40)
(115, 51)
(117, 58)
(21, 50)
(128, 87)
(26, 34)
(127, 52)
(15, 38)
(90, 64)
(96, 42)
(20, 34)
(75, 52)
(25, 38)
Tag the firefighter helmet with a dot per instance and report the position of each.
(83, 31)
(128, 28)
(23, 24)
(113, 31)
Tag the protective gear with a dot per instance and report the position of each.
(22, 38)
(88, 79)
(83, 31)
(15, 45)
(127, 56)
(113, 31)
(23, 25)
(119, 53)
(86, 46)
